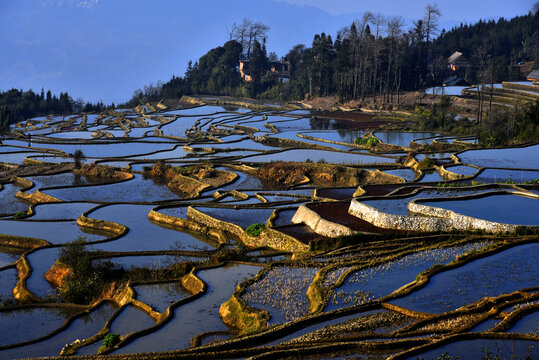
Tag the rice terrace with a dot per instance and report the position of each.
(265, 208)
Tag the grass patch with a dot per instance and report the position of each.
(369, 141)
(254, 229)
(20, 214)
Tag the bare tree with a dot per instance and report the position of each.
(378, 21)
(432, 15)
(481, 56)
(247, 33)
(360, 53)
(394, 32)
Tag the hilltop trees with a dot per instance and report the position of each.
(372, 57)
(247, 34)
(17, 105)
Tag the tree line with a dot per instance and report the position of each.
(374, 57)
(17, 105)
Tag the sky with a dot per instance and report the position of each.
(103, 50)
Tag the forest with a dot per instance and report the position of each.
(17, 105)
(373, 57)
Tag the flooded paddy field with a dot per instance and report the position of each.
(171, 235)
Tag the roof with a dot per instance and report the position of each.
(456, 55)
(534, 75)
(453, 80)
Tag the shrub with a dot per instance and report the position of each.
(109, 341)
(426, 163)
(254, 229)
(88, 278)
(78, 157)
(370, 141)
(20, 214)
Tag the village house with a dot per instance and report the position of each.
(533, 76)
(278, 69)
(458, 63)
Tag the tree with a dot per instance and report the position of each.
(432, 15)
(418, 35)
(258, 65)
(78, 157)
(6, 118)
(394, 32)
(247, 33)
(322, 55)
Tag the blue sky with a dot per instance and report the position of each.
(106, 49)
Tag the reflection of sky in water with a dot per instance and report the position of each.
(462, 169)
(143, 235)
(31, 323)
(446, 90)
(80, 328)
(406, 174)
(195, 317)
(384, 279)
(398, 206)
(519, 210)
(137, 189)
(241, 217)
(402, 138)
(321, 155)
(502, 273)
(497, 175)
(160, 296)
(477, 349)
(104, 149)
(519, 158)
(342, 135)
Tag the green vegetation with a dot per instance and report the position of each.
(109, 341)
(367, 140)
(500, 127)
(20, 214)
(254, 229)
(89, 277)
(17, 105)
(451, 185)
(358, 62)
(78, 158)
(426, 163)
